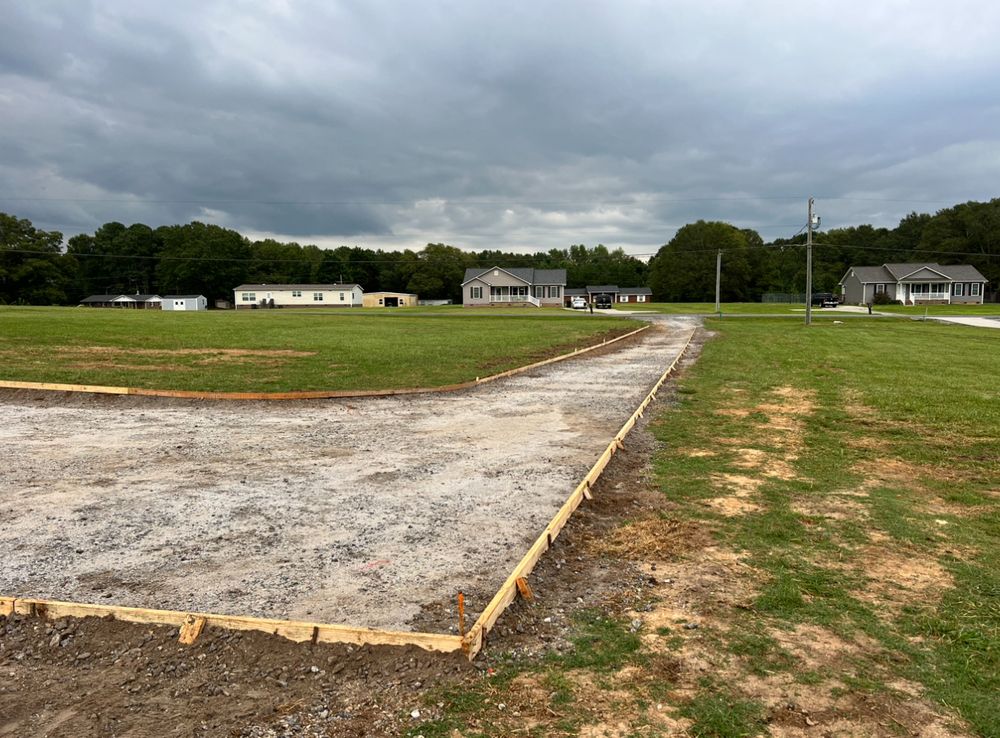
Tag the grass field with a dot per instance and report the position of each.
(837, 493)
(992, 308)
(282, 350)
(708, 308)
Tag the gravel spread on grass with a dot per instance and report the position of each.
(354, 511)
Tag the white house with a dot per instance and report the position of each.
(184, 302)
(298, 295)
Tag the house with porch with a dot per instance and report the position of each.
(914, 284)
(513, 286)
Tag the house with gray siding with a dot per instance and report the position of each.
(513, 286)
(914, 284)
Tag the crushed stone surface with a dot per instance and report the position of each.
(353, 511)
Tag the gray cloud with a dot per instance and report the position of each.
(527, 126)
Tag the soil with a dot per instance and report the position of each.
(356, 511)
(99, 677)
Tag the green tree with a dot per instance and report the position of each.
(684, 269)
(33, 269)
(202, 259)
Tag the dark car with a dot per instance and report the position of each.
(825, 299)
(603, 301)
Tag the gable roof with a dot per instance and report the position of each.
(965, 273)
(284, 287)
(602, 288)
(636, 291)
(183, 297)
(892, 273)
(99, 298)
(527, 275)
(902, 271)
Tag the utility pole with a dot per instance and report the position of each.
(809, 264)
(718, 280)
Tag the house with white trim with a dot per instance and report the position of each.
(914, 284)
(248, 296)
(513, 286)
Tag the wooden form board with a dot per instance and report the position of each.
(191, 624)
(509, 589)
(305, 394)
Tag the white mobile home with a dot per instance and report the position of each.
(297, 295)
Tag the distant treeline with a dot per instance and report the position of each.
(199, 258)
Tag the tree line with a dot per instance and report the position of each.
(684, 269)
(200, 258)
(36, 267)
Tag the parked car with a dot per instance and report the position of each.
(825, 299)
(603, 301)
(578, 303)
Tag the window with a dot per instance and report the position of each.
(879, 289)
(539, 291)
(178, 303)
(476, 293)
(341, 296)
(380, 301)
(640, 298)
(555, 291)
(959, 289)
(974, 289)
(496, 272)
(249, 297)
(622, 298)
(296, 293)
(317, 297)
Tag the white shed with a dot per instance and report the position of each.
(184, 302)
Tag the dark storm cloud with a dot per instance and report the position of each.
(521, 126)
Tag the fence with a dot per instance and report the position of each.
(793, 297)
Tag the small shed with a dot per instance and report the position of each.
(389, 299)
(185, 302)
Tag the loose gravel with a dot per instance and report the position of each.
(355, 511)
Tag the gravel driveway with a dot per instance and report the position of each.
(350, 511)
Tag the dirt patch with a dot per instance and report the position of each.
(129, 367)
(224, 352)
(658, 538)
(899, 578)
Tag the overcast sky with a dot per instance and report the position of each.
(522, 126)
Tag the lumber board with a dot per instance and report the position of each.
(55, 387)
(293, 630)
(304, 394)
(508, 591)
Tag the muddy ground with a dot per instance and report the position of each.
(354, 511)
(95, 677)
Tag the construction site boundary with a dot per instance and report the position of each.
(191, 624)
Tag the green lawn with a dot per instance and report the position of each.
(839, 486)
(873, 510)
(992, 308)
(283, 350)
(708, 308)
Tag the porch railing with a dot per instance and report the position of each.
(516, 298)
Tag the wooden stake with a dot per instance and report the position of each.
(191, 629)
(586, 492)
(524, 589)
(461, 614)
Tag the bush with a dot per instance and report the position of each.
(881, 298)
